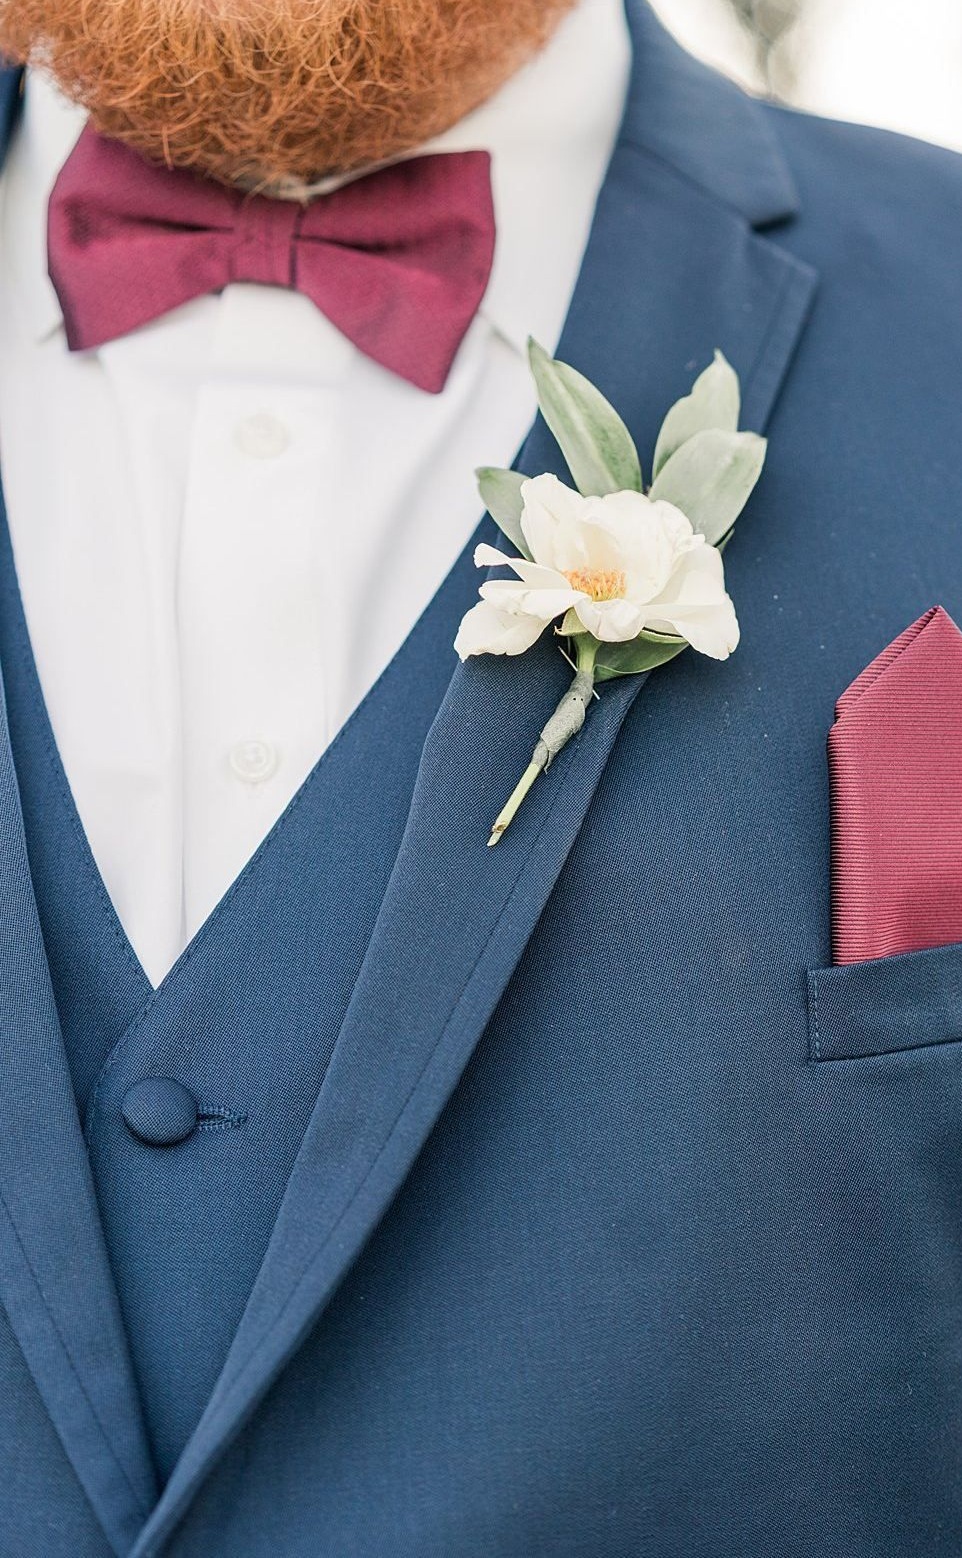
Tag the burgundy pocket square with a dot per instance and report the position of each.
(895, 769)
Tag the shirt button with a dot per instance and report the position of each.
(253, 761)
(159, 1111)
(261, 436)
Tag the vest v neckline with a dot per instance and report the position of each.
(19, 632)
(132, 995)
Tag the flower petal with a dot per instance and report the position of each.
(486, 556)
(696, 605)
(533, 575)
(613, 621)
(487, 630)
(543, 602)
(649, 537)
(550, 519)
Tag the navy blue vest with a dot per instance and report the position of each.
(196, 1095)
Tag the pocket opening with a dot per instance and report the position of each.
(912, 1000)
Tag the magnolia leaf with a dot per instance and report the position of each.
(644, 653)
(715, 402)
(598, 447)
(501, 495)
(711, 477)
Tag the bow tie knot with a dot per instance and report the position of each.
(398, 259)
(263, 245)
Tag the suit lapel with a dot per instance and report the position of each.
(674, 268)
(55, 1281)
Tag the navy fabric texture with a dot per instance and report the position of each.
(247, 1017)
(559, 1198)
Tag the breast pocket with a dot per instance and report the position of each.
(911, 1001)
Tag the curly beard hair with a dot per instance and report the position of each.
(273, 91)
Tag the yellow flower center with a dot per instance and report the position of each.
(599, 583)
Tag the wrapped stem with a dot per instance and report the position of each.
(565, 722)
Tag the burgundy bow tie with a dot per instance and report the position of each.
(398, 260)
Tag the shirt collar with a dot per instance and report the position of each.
(550, 131)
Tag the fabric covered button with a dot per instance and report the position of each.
(160, 1111)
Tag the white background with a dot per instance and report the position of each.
(896, 63)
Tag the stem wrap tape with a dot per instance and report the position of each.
(566, 721)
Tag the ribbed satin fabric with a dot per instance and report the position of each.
(398, 260)
(895, 766)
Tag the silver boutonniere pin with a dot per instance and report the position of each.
(628, 577)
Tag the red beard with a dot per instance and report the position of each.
(259, 91)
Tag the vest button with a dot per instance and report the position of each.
(160, 1111)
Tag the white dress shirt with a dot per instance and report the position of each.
(226, 523)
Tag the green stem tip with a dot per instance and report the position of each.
(507, 813)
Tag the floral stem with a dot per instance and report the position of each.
(565, 722)
(507, 813)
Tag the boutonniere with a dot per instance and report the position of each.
(629, 577)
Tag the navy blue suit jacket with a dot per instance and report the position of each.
(544, 1227)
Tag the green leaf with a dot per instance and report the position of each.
(715, 402)
(711, 477)
(644, 653)
(501, 495)
(598, 447)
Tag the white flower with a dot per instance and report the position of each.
(620, 563)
